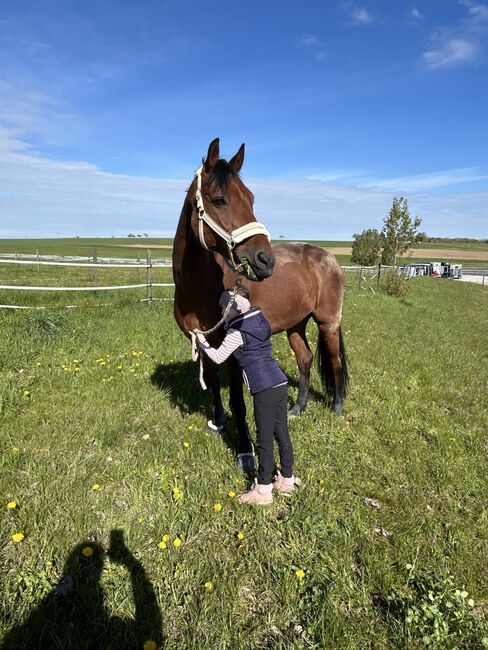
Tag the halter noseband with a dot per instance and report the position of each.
(235, 236)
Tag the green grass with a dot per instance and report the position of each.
(413, 437)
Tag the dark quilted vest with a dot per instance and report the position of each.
(255, 357)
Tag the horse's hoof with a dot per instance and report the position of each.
(337, 409)
(295, 410)
(214, 428)
(246, 462)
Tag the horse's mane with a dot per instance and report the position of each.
(221, 173)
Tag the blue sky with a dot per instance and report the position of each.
(106, 109)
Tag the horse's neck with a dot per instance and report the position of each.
(191, 262)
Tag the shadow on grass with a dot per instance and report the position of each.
(179, 381)
(74, 614)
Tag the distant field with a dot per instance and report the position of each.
(474, 254)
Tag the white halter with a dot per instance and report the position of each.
(231, 239)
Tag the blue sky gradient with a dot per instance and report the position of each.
(107, 108)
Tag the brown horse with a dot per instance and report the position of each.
(291, 283)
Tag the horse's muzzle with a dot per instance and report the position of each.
(261, 264)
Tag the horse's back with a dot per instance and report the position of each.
(306, 278)
(310, 257)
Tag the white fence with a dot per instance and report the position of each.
(365, 274)
(55, 260)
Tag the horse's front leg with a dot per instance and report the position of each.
(244, 448)
(211, 379)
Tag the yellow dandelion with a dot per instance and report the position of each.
(186, 445)
(134, 353)
(38, 364)
(240, 535)
(177, 542)
(300, 574)
(26, 393)
(217, 507)
(17, 538)
(165, 538)
(208, 585)
(162, 544)
(150, 645)
(95, 487)
(190, 427)
(77, 369)
(322, 481)
(119, 367)
(11, 505)
(15, 450)
(231, 494)
(87, 551)
(177, 493)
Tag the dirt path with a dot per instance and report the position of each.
(435, 254)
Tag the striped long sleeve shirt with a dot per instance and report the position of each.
(233, 340)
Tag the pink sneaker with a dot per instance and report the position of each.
(258, 494)
(285, 486)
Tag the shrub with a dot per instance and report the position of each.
(397, 285)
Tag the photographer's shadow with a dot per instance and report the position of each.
(75, 615)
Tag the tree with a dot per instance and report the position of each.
(399, 231)
(366, 247)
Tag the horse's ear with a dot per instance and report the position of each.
(238, 159)
(213, 154)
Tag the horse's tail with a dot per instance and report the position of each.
(335, 384)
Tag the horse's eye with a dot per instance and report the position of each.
(219, 201)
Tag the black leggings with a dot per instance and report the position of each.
(271, 416)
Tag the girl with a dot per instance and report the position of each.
(248, 339)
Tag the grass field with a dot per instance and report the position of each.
(127, 504)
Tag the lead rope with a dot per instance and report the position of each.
(195, 352)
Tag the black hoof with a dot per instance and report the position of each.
(337, 409)
(295, 410)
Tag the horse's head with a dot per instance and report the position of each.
(223, 220)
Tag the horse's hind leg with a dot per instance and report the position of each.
(297, 338)
(331, 356)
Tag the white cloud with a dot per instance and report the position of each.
(313, 42)
(415, 14)
(430, 181)
(43, 197)
(30, 112)
(460, 45)
(450, 52)
(308, 40)
(360, 16)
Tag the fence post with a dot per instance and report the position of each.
(360, 272)
(379, 275)
(95, 270)
(149, 275)
(138, 264)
